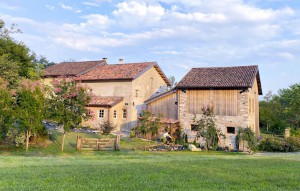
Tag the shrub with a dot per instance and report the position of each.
(107, 127)
(15, 137)
(271, 143)
(132, 134)
(293, 143)
(246, 135)
(275, 144)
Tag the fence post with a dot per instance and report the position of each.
(287, 133)
(78, 143)
(117, 143)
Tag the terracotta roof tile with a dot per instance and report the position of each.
(126, 71)
(72, 68)
(221, 77)
(108, 101)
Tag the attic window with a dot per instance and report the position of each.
(230, 130)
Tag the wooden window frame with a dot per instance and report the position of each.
(124, 113)
(101, 113)
(115, 114)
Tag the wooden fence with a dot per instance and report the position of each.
(98, 144)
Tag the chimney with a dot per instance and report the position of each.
(105, 59)
(121, 61)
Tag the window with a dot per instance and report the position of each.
(137, 93)
(101, 113)
(126, 103)
(194, 127)
(115, 114)
(124, 113)
(230, 130)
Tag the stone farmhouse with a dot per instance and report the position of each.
(124, 90)
(232, 92)
(121, 89)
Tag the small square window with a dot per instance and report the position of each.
(126, 103)
(124, 113)
(89, 111)
(101, 113)
(194, 127)
(115, 114)
(230, 130)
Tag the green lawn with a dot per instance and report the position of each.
(48, 169)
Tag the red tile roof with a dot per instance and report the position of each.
(108, 101)
(221, 78)
(128, 71)
(72, 68)
(116, 71)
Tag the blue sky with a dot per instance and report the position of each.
(178, 34)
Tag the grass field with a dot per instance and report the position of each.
(48, 169)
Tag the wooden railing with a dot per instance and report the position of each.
(98, 144)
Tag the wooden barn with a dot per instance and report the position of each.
(232, 92)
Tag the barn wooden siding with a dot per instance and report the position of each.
(225, 102)
(167, 106)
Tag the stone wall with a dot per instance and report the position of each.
(241, 120)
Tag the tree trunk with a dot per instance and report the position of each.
(27, 139)
(63, 141)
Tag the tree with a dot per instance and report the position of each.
(29, 107)
(41, 62)
(66, 103)
(289, 98)
(172, 81)
(206, 128)
(148, 124)
(6, 109)
(278, 112)
(17, 61)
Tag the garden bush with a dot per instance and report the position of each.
(275, 144)
(15, 137)
(293, 143)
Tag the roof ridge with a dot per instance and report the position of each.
(223, 67)
(134, 63)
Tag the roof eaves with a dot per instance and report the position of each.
(160, 96)
(143, 71)
(117, 102)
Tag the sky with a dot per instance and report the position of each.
(177, 34)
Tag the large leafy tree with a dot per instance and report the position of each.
(17, 61)
(278, 112)
(6, 108)
(30, 108)
(66, 103)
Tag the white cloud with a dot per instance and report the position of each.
(69, 8)
(133, 14)
(91, 4)
(50, 7)
(200, 17)
(93, 23)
